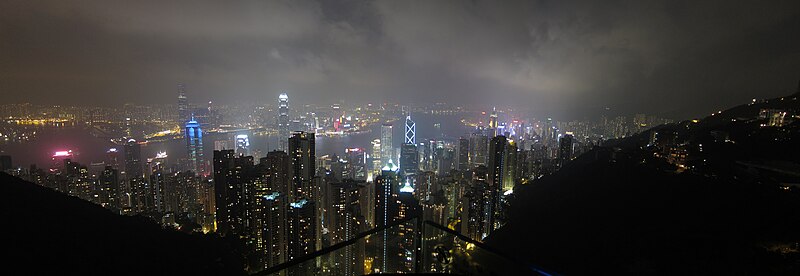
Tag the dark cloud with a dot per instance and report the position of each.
(681, 58)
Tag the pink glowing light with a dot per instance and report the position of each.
(62, 153)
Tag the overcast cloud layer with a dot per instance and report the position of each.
(680, 58)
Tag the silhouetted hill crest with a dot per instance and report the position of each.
(45, 231)
(622, 210)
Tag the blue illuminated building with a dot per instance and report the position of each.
(194, 146)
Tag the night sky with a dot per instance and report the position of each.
(675, 58)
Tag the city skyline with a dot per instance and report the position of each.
(389, 137)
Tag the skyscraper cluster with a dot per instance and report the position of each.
(272, 206)
(293, 203)
(285, 204)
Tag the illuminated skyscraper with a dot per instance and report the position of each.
(477, 208)
(283, 121)
(387, 151)
(497, 172)
(242, 145)
(231, 191)
(409, 156)
(478, 149)
(183, 104)
(134, 174)
(509, 166)
(112, 158)
(408, 207)
(411, 131)
(387, 210)
(302, 155)
(223, 144)
(154, 200)
(445, 157)
(425, 156)
(409, 160)
(394, 202)
(277, 165)
(344, 221)
(565, 148)
(194, 146)
(502, 177)
(302, 234)
(211, 116)
(376, 157)
(109, 187)
(273, 226)
(462, 164)
(59, 157)
(356, 164)
(493, 123)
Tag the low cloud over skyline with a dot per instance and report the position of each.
(679, 58)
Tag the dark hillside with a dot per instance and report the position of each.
(45, 231)
(733, 209)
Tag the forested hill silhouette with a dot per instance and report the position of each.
(44, 231)
(730, 206)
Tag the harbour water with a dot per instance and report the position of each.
(88, 148)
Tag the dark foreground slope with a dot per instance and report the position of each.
(44, 231)
(604, 217)
(623, 210)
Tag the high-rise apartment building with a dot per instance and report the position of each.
(462, 162)
(565, 149)
(478, 148)
(231, 191)
(302, 156)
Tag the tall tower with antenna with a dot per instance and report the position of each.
(283, 122)
(183, 105)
